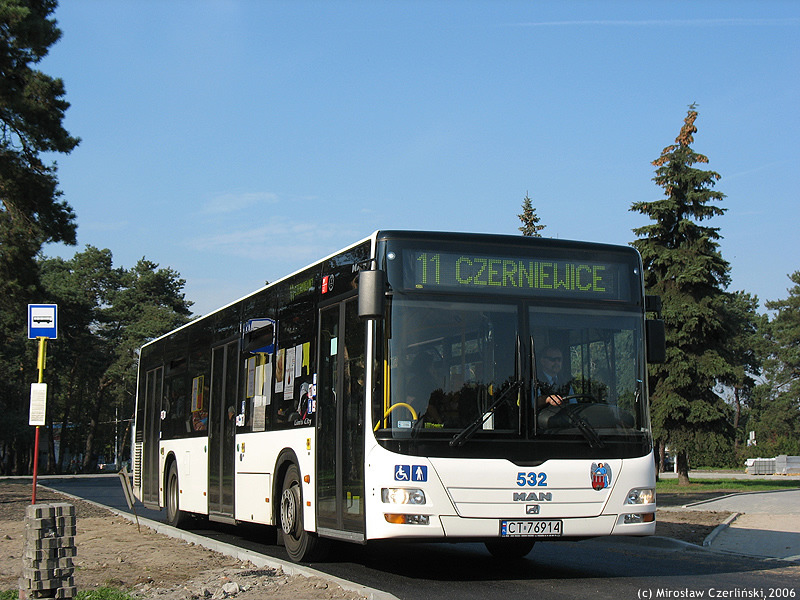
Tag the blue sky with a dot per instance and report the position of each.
(237, 141)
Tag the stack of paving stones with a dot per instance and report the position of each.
(47, 570)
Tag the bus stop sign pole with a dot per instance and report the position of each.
(38, 408)
(42, 325)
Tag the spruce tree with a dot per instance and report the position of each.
(684, 266)
(530, 220)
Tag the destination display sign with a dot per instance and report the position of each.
(539, 276)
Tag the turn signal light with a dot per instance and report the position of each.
(407, 519)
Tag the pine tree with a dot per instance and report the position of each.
(683, 265)
(530, 220)
(776, 418)
(106, 314)
(746, 349)
(32, 212)
(32, 108)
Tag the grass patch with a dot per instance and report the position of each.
(725, 485)
(104, 593)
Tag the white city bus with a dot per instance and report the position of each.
(399, 389)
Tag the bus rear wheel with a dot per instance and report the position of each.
(510, 549)
(301, 545)
(175, 516)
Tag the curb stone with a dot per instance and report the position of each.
(259, 560)
(719, 529)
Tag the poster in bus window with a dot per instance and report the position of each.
(251, 377)
(259, 413)
(280, 361)
(266, 380)
(197, 393)
(289, 374)
(199, 415)
(263, 397)
(298, 360)
(305, 366)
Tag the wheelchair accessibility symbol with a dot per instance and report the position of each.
(411, 473)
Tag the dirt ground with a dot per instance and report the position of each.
(111, 552)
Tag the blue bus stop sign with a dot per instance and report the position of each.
(42, 321)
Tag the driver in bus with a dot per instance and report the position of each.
(552, 384)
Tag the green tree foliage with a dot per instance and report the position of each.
(683, 265)
(32, 109)
(745, 351)
(776, 406)
(32, 213)
(105, 315)
(81, 287)
(530, 220)
(131, 306)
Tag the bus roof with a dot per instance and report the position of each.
(541, 243)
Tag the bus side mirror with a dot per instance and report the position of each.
(259, 340)
(371, 294)
(656, 338)
(653, 304)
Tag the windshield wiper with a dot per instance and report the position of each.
(460, 438)
(581, 425)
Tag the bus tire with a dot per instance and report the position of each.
(175, 516)
(301, 545)
(510, 549)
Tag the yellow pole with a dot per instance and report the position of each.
(40, 363)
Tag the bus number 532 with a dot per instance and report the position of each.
(532, 479)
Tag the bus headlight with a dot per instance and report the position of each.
(641, 496)
(402, 496)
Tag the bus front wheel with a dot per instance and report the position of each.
(175, 516)
(301, 545)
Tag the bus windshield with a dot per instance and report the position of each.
(463, 371)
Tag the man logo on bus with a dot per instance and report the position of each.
(601, 475)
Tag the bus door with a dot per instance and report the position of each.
(154, 389)
(222, 430)
(340, 422)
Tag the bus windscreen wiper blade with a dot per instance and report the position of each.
(460, 438)
(581, 425)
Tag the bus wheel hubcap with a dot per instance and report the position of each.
(289, 510)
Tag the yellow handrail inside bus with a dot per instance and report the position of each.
(392, 407)
(387, 375)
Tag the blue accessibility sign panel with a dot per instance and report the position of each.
(410, 473)
(42, 321)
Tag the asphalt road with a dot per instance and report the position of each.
(603, 568)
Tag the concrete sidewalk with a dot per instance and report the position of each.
(764, 524)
